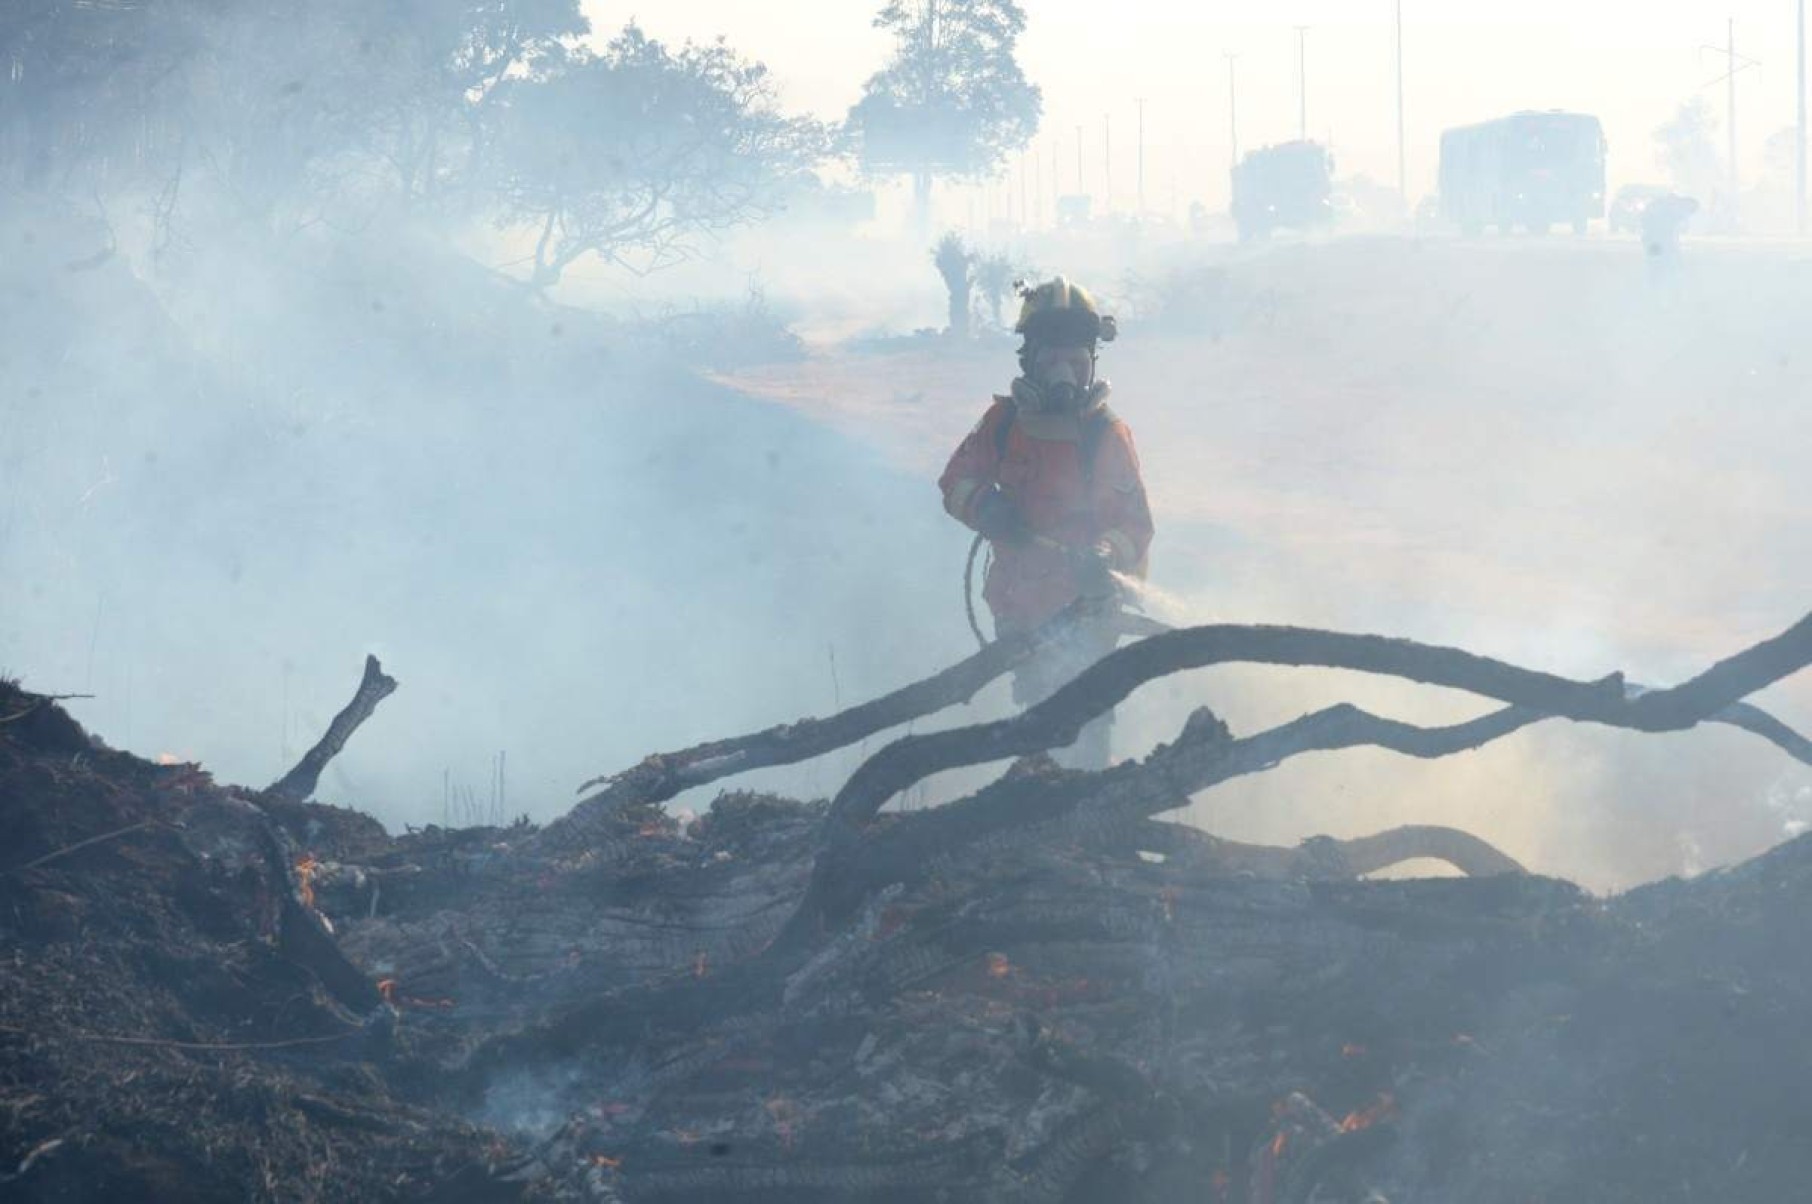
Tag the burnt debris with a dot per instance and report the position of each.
(1043, 992)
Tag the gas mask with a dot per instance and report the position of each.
(1062, 380)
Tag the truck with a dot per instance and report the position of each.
(1289, 186)
(1530, 169)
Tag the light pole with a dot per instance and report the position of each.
(1107, 162)
(1799, 167)
(1142, 155)
(1737, 64)
(1302, 82)
(1402, 152)
(1735, 189)
(1233, 104)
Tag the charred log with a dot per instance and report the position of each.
(374, 687)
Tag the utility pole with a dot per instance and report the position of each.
(1799, 166)
(1735, 191)
(1302, 83)
(1402, 153)
(1233, 104)
(1141, 104)
(1025, 211)
(1038, 185)
(1107, 162)
(1081, 189)
(1736, 65)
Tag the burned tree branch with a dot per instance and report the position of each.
(37, 703)
(1533, 695)
(857, 861)
(79, 845)
(374, 687)
(1324, 856)
(664, 775)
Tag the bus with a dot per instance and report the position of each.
(1288, 186)
(1530, 169)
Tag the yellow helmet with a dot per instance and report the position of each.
(1058, 312)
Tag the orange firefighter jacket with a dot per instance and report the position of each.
(1039, 465)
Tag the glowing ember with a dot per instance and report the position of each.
(607, 1162)
(389, 992)
(1350, 1050)
(1384, 1107)
(998, 965)
(1280, 1143)
(305, 879)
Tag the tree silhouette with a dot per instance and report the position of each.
(952, 101)
(1687, 151)
(636, 153)
(955, 263)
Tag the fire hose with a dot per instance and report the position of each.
(1129, 623)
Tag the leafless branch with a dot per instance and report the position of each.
(374, 687)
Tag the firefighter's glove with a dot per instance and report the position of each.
(1093, 569)
(999, 520)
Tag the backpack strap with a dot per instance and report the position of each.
(1003, 430)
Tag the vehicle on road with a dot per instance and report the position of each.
(1530, 170)
(1289, 186)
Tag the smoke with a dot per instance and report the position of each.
(225, 485)
(237, 455)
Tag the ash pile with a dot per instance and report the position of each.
(1042, 992)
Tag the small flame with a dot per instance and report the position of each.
(386, 989)
(1280, 1143)
(1352, 1050)
(652, 827)
(607, 1162)
(168, 759)
(998, 965)
(701, 965)
(1384, 1107)
(305, 879)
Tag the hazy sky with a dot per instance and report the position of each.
(1630, 61)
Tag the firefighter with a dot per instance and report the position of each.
(1663, 221)
(1050, 479)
